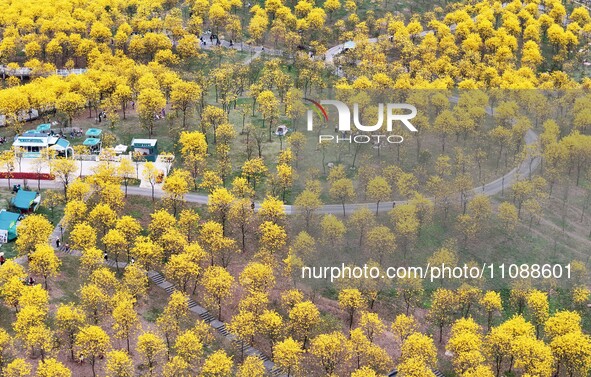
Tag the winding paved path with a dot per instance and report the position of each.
(529, 164)
(488, 189)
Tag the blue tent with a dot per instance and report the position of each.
(94, 132)
(91, 142)
(24, 200)
(62, 144)
(44, 128)
(8, 222)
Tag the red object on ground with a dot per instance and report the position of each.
(15, 175)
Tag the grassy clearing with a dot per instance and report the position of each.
(313, 160)
(491, 245)
(141, 207)
(68, 283)
(151, 305)
(7, 316)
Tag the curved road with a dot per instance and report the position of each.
(489, 189)
(492, 188)
(528, 165)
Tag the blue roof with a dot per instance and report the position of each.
(91, 142)
(44, 127)
(63, 143)
(94, 132)
(31, 139)
(24, 199)
(8, 216)
(8, 222)
(8, 219)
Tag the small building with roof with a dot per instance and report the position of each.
(63, 148)
(147, 147)
(32, 143)
(8, 224)
(93, 140)
(26, 201)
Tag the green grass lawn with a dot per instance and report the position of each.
(69, 281)
(7, 317)
(311, 158)
(491, 245)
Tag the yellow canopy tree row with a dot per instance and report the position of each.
(479, 43)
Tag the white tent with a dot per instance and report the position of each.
(281, 130)
(120, 149)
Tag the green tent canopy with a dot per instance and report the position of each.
(8, 222)
(94, 132)
(24, 199)
(44, 128)
(91, 142)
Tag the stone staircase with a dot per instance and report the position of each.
(159, 280)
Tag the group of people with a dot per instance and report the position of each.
(213, 37)
(211, 40)
(77, 133)
(61, 134)
(58, 243)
